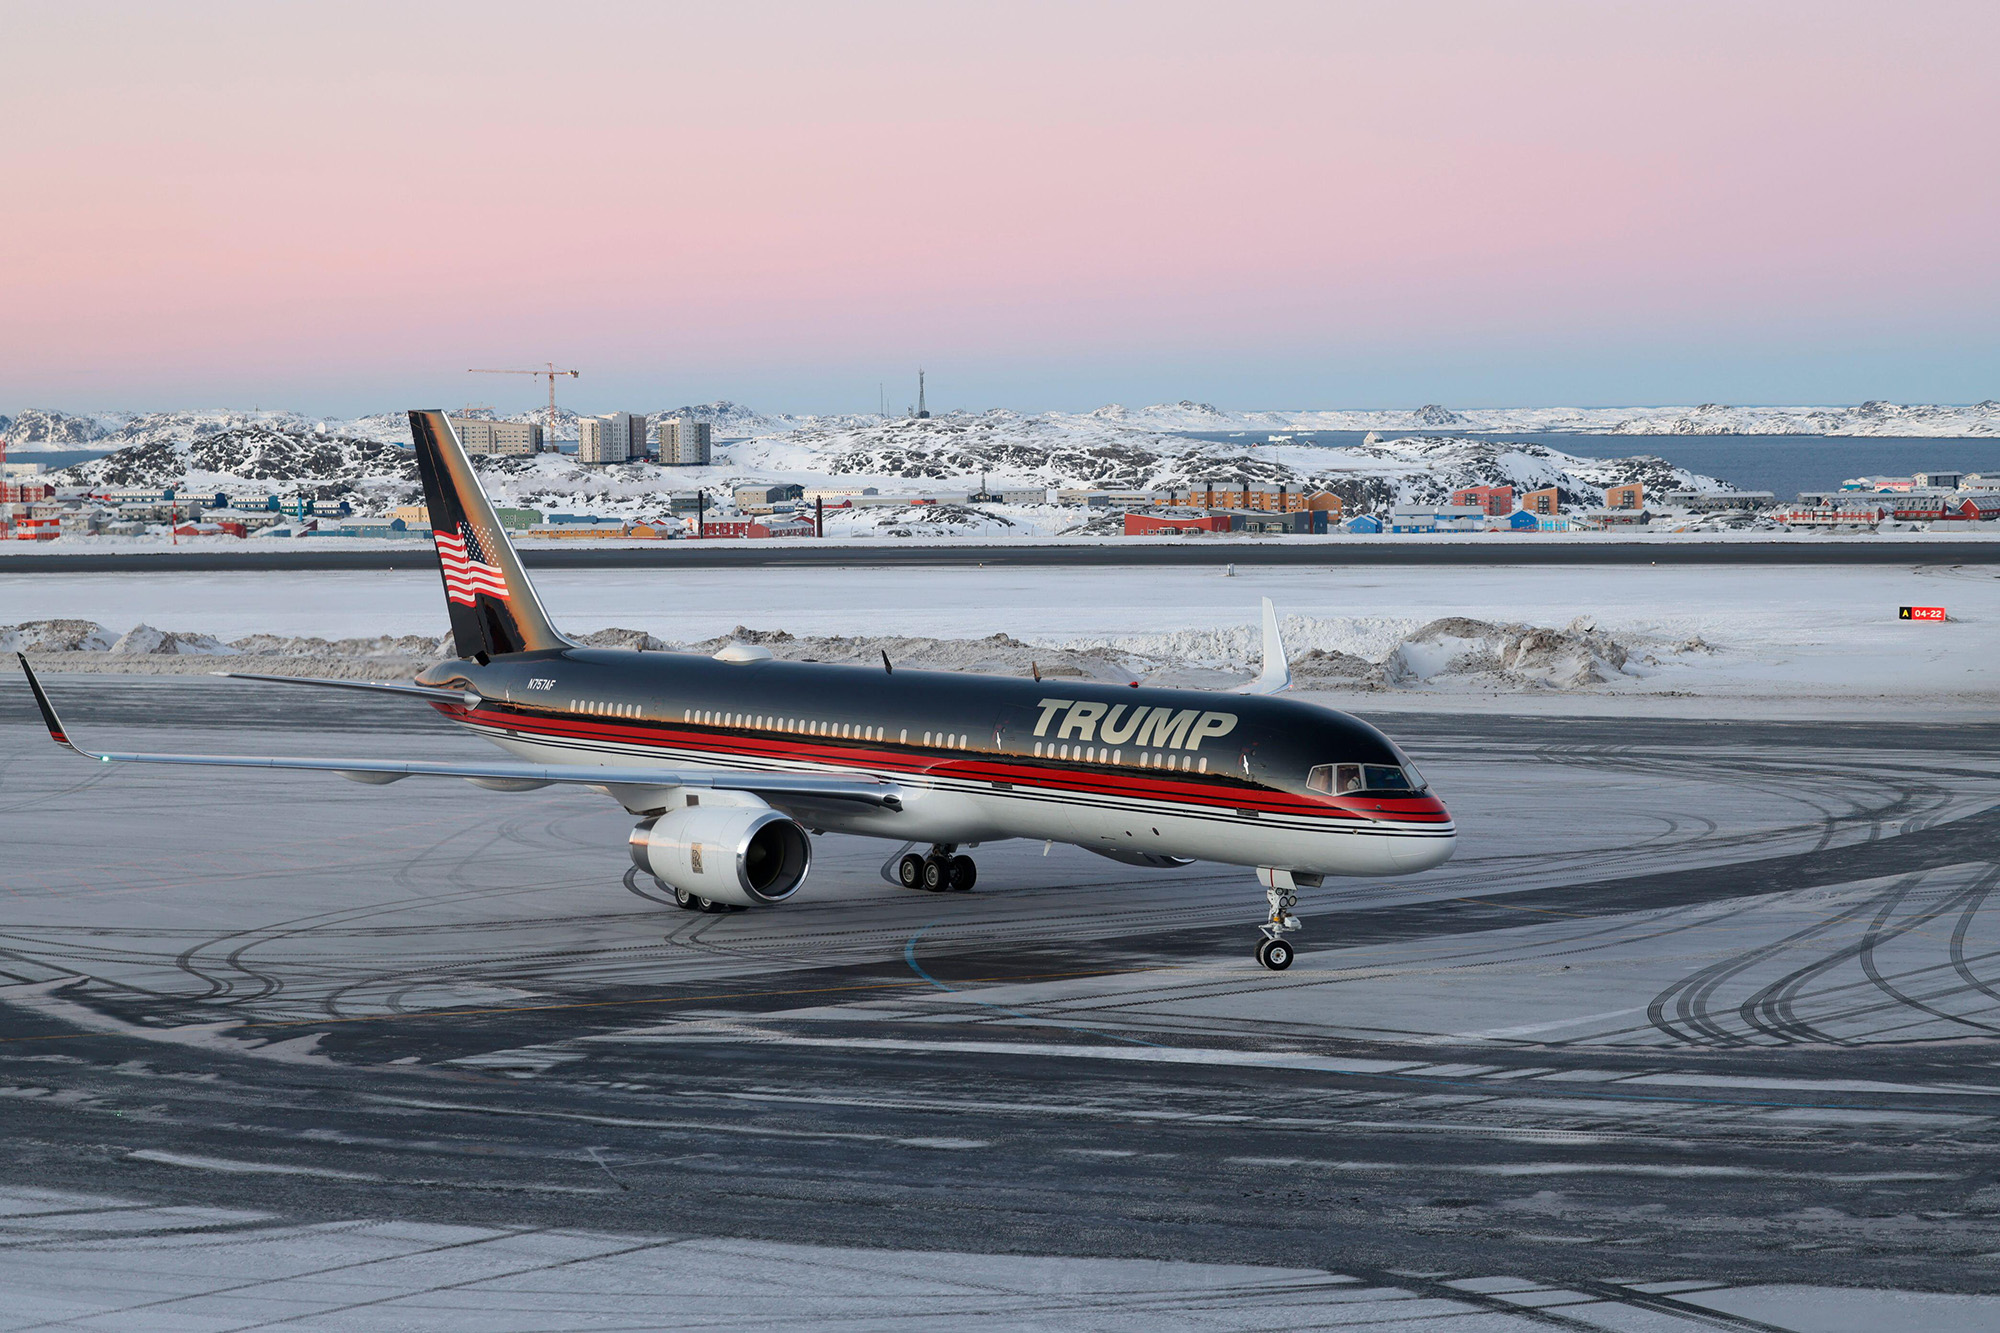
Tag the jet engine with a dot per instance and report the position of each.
(740, 853)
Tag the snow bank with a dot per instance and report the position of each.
(1361, 653)
(145, 641)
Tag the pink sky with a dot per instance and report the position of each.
(341, 207)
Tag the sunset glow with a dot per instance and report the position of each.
(340, 207)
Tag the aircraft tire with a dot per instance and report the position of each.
(964, 874)
(684, 900)
(937, 874)
(910, 871)
(1274, 954)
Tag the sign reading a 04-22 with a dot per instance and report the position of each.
(1920, 613)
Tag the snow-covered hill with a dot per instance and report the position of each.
(34, 429)
(37, 429)
(954, 452)
(1871, 418)
(297, 459)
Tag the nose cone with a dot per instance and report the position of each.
(1433, 849)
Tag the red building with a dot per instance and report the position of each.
(37, 529)
(24, 492)
(756, 527)
(1152, 525)
(1978, 508)
(1496, 501)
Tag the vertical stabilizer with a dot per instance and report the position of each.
(493, 607)
(1276, 677)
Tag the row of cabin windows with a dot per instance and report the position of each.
(850, 731)
(1094, 754)
(813, 727)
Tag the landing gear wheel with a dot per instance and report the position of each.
(910, 871)
(686, 901)
(1274, 954)
(936, 872)
(710, 905)
(963, 874)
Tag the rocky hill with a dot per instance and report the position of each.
(326, 466)
(948, 452)
(35, 429)
(1877, 418)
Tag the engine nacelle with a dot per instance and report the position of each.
(743, 853)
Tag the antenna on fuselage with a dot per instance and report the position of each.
(887, 669)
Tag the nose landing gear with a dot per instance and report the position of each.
(939, 872)
(1281, 891)
(1272, 951)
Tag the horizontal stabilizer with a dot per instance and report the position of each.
(426, 692)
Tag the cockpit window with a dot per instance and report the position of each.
(1350, 779)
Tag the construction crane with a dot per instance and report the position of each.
(551, 373)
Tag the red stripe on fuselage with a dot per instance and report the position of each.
(1035, 774)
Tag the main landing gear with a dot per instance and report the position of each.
(939, 872)
(695, 902)
(1281, 891)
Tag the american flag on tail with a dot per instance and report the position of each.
(466, 571)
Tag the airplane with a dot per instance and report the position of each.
(730, 760)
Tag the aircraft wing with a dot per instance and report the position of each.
(636, 787)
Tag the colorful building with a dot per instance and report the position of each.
(1492, 500)
(1138, 524)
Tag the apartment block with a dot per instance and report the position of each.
(511, 438)
(685, 443)
(615, 437)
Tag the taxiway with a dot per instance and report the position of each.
(1698, 1027)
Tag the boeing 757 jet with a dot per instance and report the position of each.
(730, 760)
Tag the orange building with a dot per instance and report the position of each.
(1632, 495)
(1547, 501)
(1496, 501)
(1282, 500)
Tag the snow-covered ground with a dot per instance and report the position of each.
(1806, 640)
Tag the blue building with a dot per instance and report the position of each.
(1363, 524)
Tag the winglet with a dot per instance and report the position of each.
(1277, 673)
(49, 718)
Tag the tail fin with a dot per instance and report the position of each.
(493, 607)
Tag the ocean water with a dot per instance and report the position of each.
(57, 458)
(1781, 464)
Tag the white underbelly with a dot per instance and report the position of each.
(957, 812)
